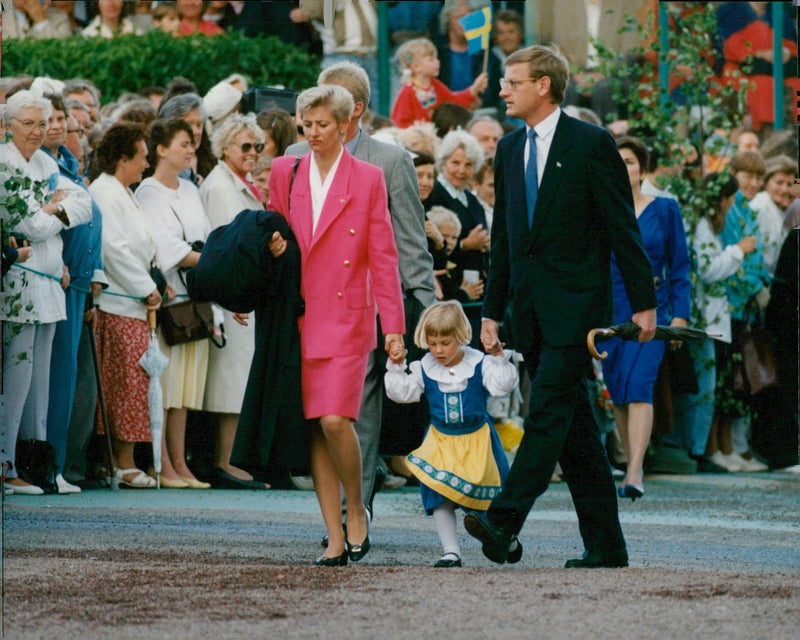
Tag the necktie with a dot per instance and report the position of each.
(531, 177)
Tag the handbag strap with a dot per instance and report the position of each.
(291, 180)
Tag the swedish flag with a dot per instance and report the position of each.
(478, 29)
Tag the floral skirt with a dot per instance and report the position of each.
(121, 342)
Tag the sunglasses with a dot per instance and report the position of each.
(258, 146)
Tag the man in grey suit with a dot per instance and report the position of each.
(408, 221)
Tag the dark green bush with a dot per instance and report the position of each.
(128, 63)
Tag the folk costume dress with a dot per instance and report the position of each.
(461, 457)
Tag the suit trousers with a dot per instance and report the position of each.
(560, 428)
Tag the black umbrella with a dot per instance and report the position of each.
(630, 331)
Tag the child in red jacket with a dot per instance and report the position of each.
(422, 92)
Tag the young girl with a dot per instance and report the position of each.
(422, 92)
(461, 462)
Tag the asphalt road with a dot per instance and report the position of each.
(696, 543)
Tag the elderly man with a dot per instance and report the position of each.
(31, 304)
(487, 131)
(408, 222)
(82, 256)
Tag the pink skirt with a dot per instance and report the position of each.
(333, 386)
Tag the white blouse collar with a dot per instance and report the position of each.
(463, 370)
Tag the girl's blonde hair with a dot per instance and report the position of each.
(445, 318)
(411, 51)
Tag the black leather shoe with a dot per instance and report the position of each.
(630, 491)
(377, 484)
(336, 561)
(596, 560)
(448, 561)
(495, 540)
(224, 480)
(515, 555)
(358, 551)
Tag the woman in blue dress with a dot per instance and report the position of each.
(631, 368)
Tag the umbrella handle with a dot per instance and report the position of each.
(151, 320)
(590, 338)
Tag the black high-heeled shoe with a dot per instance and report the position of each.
(631, 491)
(358, 551)
(335, 561)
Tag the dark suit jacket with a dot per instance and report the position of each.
(558, 273)
(470, 216)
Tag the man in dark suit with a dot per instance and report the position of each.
(563, 204)
(416, 263)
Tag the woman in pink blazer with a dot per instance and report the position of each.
(337, 208)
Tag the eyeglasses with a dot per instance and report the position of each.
(30, 125)
(246, 146)
(513, 85)
(80, 131)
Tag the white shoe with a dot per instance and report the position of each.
(24, 489)
(749, 465)
(729, 463)
(394, 482)
(795, 468)
(304, 483)
(66, 487)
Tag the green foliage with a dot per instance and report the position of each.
(710, 105)
(128, 63)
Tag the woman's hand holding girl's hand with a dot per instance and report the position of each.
(277, 245)
(481, 82)
(474, 290)
(747, 244)
(394, 347)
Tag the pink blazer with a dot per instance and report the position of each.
(349, 263)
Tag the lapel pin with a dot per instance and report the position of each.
(558, 164)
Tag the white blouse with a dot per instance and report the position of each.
(770, 223)
(27, 297)
(175, 219)
(714, 264)
(500, 375)
(128, 249)
(319, 188)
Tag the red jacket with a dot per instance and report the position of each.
(349, 264)
(408, 109)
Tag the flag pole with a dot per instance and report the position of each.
(486, 54)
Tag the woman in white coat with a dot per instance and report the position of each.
(31, 304)
(226, 191)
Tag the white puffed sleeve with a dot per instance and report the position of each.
(402, 387)
(500, 375)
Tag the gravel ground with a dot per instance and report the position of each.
(710, 557)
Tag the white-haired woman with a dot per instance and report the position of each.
(337, 208)
(31, 304)
(227, 190)
(458, 157)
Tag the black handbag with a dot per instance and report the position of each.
(188, 322)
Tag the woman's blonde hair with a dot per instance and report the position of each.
(445, 318)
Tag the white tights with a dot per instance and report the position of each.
(444, 516)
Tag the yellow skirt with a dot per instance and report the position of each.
(462, 468)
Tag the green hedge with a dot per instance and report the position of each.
(128, 63)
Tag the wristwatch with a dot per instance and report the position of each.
(61, 214)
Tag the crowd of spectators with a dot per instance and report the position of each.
(125, 183)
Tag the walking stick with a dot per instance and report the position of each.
(113, 480)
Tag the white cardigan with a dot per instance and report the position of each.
(714, 264)
(770, 223)
(42, 298)
(224, 195)
(127, 249)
